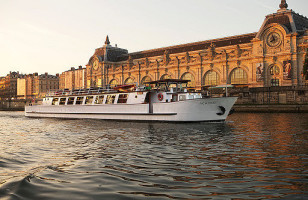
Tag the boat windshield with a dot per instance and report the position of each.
(167, 84)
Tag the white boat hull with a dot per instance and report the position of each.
(208, 109)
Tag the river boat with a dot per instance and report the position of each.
(164, 100)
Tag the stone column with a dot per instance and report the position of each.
(266, 76)
(139, 65)
(178, 63)
(201, 71)
(122, 78)
(157, 65)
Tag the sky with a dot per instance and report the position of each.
(53, 36)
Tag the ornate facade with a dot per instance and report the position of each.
(273, 56)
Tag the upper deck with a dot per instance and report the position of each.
(162, 91)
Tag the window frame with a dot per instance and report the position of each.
(89, 100)
(79, 100)
(110, 99)
(121, 99)
(69, 101)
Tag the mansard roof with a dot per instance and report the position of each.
(195, 46)
(301, 22)
(294, 22)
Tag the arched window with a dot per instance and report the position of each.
(189, 76)
(239, 76)
(145, 79)
(211, 78)
(113, 83)
(274, 70)
(129, 81)
(165, 76)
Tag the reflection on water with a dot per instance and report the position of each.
(251, 156)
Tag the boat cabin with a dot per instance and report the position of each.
(161, 91)
(170, 90)
(97, 99)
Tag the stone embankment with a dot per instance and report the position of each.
(19, 105)
(12, 105)
(279, 108)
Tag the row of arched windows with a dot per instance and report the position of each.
(211, 78)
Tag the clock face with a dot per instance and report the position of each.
(273, 39)
(95, 65)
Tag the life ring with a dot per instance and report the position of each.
(160, 96)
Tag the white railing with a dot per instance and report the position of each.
(67, 92)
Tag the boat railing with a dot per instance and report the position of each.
(67, 92)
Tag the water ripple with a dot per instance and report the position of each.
(252, 156)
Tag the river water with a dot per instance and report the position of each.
(251, 156)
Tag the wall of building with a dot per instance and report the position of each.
(21, 87)
(73, 79)
(36, 86)
(80, 78)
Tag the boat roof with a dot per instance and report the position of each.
(168, 81)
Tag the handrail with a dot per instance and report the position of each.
(66, 92)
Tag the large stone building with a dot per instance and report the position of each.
(273, 56)
(34, 86)
(73, 79)
(8, 86)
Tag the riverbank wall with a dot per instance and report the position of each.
(292, 99)
(271, 108)
(19, 105)
(13, 105)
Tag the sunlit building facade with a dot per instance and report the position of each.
(34, 86)
(273, 56)
(8, 86)
(75, 78)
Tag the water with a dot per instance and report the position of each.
(251, 156)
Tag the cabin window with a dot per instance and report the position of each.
(174, 98)
(110, 99)
(89, 100)
(54, 101)
(122, 98)
(79, 100)
(99, 99)
(62, 101)
(182, 97)
(70, 100)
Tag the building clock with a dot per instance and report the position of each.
(273, 39)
